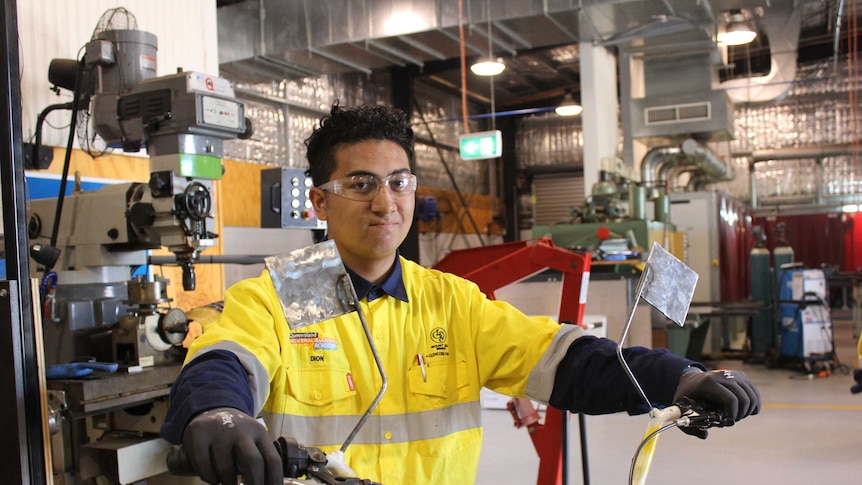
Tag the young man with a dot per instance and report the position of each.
(427, 427)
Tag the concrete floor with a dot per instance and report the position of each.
(809, 432)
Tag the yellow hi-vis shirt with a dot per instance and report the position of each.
(314, 383)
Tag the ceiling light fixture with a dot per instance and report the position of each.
(737, 32)
(568, 107)
(486, 66)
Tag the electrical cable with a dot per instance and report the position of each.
(40, 120)
(463, 66)
(829, 334)
(68, 157)
(643, 443)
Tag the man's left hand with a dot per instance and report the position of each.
(728, 390)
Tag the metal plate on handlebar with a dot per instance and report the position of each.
(312, 284)
(668, 284)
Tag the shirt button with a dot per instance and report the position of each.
(388, 435)
(379, 336)
(318, 396)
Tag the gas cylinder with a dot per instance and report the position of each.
(762, 328)
(781, 255)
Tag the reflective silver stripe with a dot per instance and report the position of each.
(258, 377)
(540, 382)
(396, 428)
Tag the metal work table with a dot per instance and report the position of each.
(852, 282)
(724, 311)
(101, 392)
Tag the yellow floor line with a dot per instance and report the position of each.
(838, 407)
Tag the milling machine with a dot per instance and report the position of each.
(87, 245)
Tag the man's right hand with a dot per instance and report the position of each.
(224, 442)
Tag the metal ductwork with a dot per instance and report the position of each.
(680, 101)
(277, 39)
(653, 160)
(781, 27)
(682, 95)
(794, 153)
(659, 163)
(705, 160)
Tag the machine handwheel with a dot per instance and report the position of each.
(197, 201)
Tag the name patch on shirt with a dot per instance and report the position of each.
(313, 339)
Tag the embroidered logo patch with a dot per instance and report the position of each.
(438, 335)
(313, 339)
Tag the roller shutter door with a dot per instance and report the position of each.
(555, 197)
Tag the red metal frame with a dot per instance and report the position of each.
(493, 267)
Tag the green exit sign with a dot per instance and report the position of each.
(484, 144)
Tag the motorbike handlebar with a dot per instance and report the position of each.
(297, 461)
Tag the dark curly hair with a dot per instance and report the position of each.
(345, 126)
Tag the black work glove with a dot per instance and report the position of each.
(224, 442)
(729, 391)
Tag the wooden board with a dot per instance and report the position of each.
(240, 194)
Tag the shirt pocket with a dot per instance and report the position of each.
(320, 387)
(446, 380)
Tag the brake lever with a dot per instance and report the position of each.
(297, 461)
(696, 414)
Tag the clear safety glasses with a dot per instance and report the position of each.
(365, 187)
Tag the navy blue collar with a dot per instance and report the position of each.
(392, 286)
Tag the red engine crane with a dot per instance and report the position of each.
(493, 267)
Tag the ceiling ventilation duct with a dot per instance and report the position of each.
(680, 101)
(682, 95)
(271, 40)
(781, 27)
(662, 164)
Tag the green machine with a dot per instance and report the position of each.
(589, 236)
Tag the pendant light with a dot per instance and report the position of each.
(488, 66)
(737, 32)
(568, 107)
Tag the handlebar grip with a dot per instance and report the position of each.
(178, 462)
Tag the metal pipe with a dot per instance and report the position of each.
(675, 173)
(705, 159)
(752, 180)
(671, 168)
(213, 259)
(637, 201)
(697, 182)
(819, 181)
(818, 153)
(835, 49)
(347, 287)
(652, 160)
(798, 153)
(661, 208)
